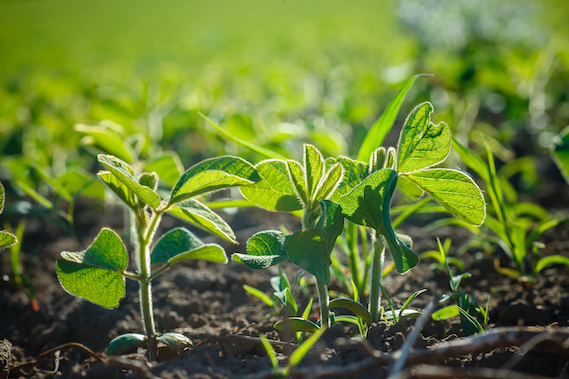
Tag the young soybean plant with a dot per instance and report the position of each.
(422, 145)
(98, 273)
(290, 186)
(6, 238)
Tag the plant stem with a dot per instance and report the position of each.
(376, 276)
(323, 299)
(145, 231)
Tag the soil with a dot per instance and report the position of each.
(207, 303)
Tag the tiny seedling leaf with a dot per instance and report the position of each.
(194, 212)
(353, 306)
(314, 169)
(354, 173)
(259, 294)
(124, 173)
(175, 341)
(275, 191)
(298, 177)
(264, 249)
(550, 260)
(454, 190)
(95, 274)
(126, 343)
(180, 244)
(213, 174)
(296, 324)
(329, 182)
(422, 144)
(445, 313)
(297, 355)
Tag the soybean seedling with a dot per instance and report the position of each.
(6, 238)
(291, 186)
(514, 226)
(98, 273)
(421, 146)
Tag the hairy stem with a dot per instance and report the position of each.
(323, 299)
(376, 276)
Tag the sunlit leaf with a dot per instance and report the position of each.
(314, 169)
(180, 244)
(95, 274)
(168, 167)
(264, 249)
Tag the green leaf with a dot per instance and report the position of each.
(550, 260)
(275, 191)
(409, 188)
(259, 294)
(2, 196)
(212, 175)
(301, 351)
(175, 341)
(353, 306)
(107, 140)
(314, 169)
(329, 182)
(54, 184)
(445, 313)
(298, 177)
(256, 148)
(81, 183)
(118, 187)
(311, 249)
(95, 274)
(383, 125)
(194, 212)
(560, 152)
(179, 244)
(472, 160)
(454, 190)
(296, 324)
(35, 195)
(365, 204)
(126, 343)
(168, 167)
(7, 239)
(354, 173)
(307, 250)
(264, 249)
(124, 173)
(421, 143)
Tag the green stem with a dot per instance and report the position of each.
(145, 232)
(376, 276)
(323, 299)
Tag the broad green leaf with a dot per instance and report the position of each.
(308, 251)
(124, 173)
(81, 183)
(275, 191)
(454, 190)
(400, 249)
(106, 140)
(251, 146)
(550, 260)
(168, 167)
(314, 169)
(329, 182)
(422, 144)
(194, 212)
(354, 173)
(264, 249)
(560, 152)
(331, 223)
(409, 188)
(383, 125)
(212, 175)
(175, 341)
(95, 274)
(118, 187)
(298, 177)
(7, 239)
(364, 205)
(179, 244)
(296, 324)
(352, 306)
(126, 343)
(445, 313)
(472, 160)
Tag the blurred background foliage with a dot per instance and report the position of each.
(275, 73)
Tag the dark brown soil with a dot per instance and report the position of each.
(207, 303)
